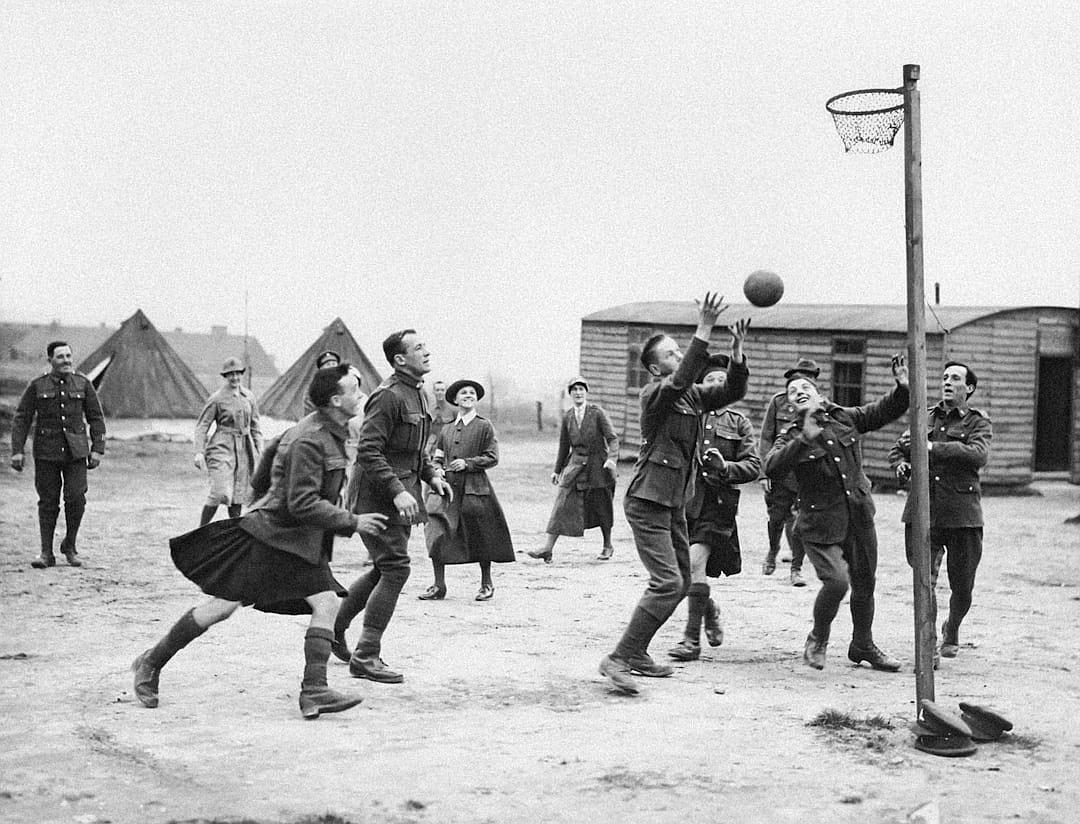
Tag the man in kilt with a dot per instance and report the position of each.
(277, 557)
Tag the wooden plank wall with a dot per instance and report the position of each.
(604, 355)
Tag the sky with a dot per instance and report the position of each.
(489, 173)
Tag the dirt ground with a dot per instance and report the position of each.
(502, 716)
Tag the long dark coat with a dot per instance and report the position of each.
(586, 489)
(471, 527)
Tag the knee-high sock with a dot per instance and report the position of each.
(316, 654)
(182, 633)
(697, 601)
(207, 515)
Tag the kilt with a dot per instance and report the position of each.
(715, 528)
(226, 562)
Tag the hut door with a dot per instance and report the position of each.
(1053, 417)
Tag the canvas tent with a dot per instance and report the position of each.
(138, 375)
(285, 398)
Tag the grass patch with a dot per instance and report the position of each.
(837, 720)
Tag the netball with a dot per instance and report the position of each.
(763, 288)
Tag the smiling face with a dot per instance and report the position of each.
(666, 357)
(954, 388)
(466, 398)
(802, 394)
(578, 393)
(62, 361)
(415, 359)
(718, 377)
(233, 379)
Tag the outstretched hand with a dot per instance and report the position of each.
(710, 308)
(900, 369)
(738, 337)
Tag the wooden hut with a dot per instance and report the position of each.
(1026, 359)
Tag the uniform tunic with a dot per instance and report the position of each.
(279, 553)
(779, 415)
(586, 489)
(472, 527)
(711, 513)
(233, 448)
(62, 408)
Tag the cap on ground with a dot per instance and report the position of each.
(986, 724)
(948, 746)
(943, 721)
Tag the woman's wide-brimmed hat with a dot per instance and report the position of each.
(457, 386)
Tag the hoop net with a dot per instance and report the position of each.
(868, 119)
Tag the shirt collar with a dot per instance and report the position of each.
(407, 379)
(960, 410)
(466, 417)
(338, 430)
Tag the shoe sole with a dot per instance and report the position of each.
(397, 679)
(150, 702)
(879, 667)
(647, 674)
(311, 713)
(621, 682)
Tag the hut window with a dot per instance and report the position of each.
(636, 374)
(849, 359)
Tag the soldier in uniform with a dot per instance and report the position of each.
(780, 495)
(836, 510)
(663, 482)
(391, 461)
(62, 405)
(277, 557)
(727, 457)
(323, 360)
(959, 444)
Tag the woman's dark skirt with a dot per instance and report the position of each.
(227, 562)
(579, 509)
(481, 532)
(715, 527)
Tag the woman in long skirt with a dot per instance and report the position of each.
(584, 472)
(470, 529)
(230, 453)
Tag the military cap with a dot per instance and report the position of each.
(577, 380)
(804, 367)
(715, 362)
(232, 365)
(326, 355)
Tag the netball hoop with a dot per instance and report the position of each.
(867, 119)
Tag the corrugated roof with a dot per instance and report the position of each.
(823, 316)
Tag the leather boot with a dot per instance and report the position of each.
(316, 697)
(47, 528)
(147, 667)
(814, 651)
(714, 630)
(366, 663)
(73, 515)
(950, 641)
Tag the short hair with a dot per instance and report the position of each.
(54, 345)
(393, 346)
(325, 383)
(647, 350)
(971, 380)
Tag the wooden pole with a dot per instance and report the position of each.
(925, 631)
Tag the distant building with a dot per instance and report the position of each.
(1025, 357)
(22, 349)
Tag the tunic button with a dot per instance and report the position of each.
(842, 475)
(849, 492)
(706, 442)
(836, 458)
(829, 443)
(665, 460)
(937, 477)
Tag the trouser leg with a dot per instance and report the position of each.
(48, 479)
(389, 554)
(862, 562)
(207, 514)
(964, 552)
(234, 510)
(664, 548)
(832, 571)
